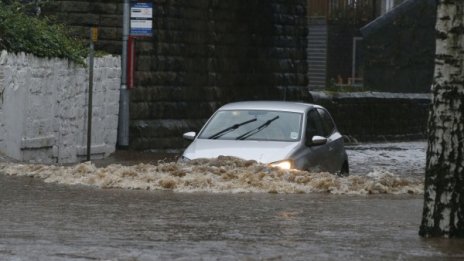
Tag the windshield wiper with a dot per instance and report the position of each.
(256, 130)
(229, 129)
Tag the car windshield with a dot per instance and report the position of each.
(254, 125)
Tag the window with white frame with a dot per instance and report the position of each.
(388, 5)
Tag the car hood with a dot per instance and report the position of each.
(261, 151)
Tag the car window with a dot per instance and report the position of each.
(314, 126)
(327, 122)
(260, 125)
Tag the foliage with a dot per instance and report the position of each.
(20, 32)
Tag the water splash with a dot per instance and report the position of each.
(221, 175)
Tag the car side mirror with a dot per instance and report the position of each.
(317, 140)
(189, 135)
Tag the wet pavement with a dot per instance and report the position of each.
(47, 221)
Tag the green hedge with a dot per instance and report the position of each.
(20, 32)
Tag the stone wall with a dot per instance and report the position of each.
(204, 53)
(376, 116)
(43, 108)
(79, 15)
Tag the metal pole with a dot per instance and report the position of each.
(353, 62)
(123, 126)
(89, 111)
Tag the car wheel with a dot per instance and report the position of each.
(345, 170)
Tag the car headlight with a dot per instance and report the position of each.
(284, 164)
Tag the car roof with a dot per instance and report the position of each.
(269, 105)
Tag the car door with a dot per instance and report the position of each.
(335, 147)
(315, 156)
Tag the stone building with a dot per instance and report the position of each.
(203, 54)
(334, 39)
(393, 52)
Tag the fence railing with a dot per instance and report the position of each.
(355, 11)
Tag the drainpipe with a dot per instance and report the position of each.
(123, 126)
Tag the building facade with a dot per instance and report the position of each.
(335, 43)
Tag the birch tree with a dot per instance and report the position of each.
(443, 214)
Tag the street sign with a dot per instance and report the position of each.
(94, 34)
(141, 19)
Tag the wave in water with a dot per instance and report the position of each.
(221, 175)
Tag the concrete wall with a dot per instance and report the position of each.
(43, 108)
(377, 116)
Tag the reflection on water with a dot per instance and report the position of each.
(223, 175)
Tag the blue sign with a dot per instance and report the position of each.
(141, 22)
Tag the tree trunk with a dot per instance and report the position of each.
(443, 214)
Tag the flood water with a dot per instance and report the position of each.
(87, 214)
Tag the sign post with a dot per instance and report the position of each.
(137, 22)
(93, 39)
(141, 19)
(141, 26)
(123, 118)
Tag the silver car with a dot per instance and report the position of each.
(283, 134)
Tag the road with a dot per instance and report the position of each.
(49, 221)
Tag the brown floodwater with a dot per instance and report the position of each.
(219, 210)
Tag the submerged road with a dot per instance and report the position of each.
(43, 221)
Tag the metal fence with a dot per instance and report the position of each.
(355, 11)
